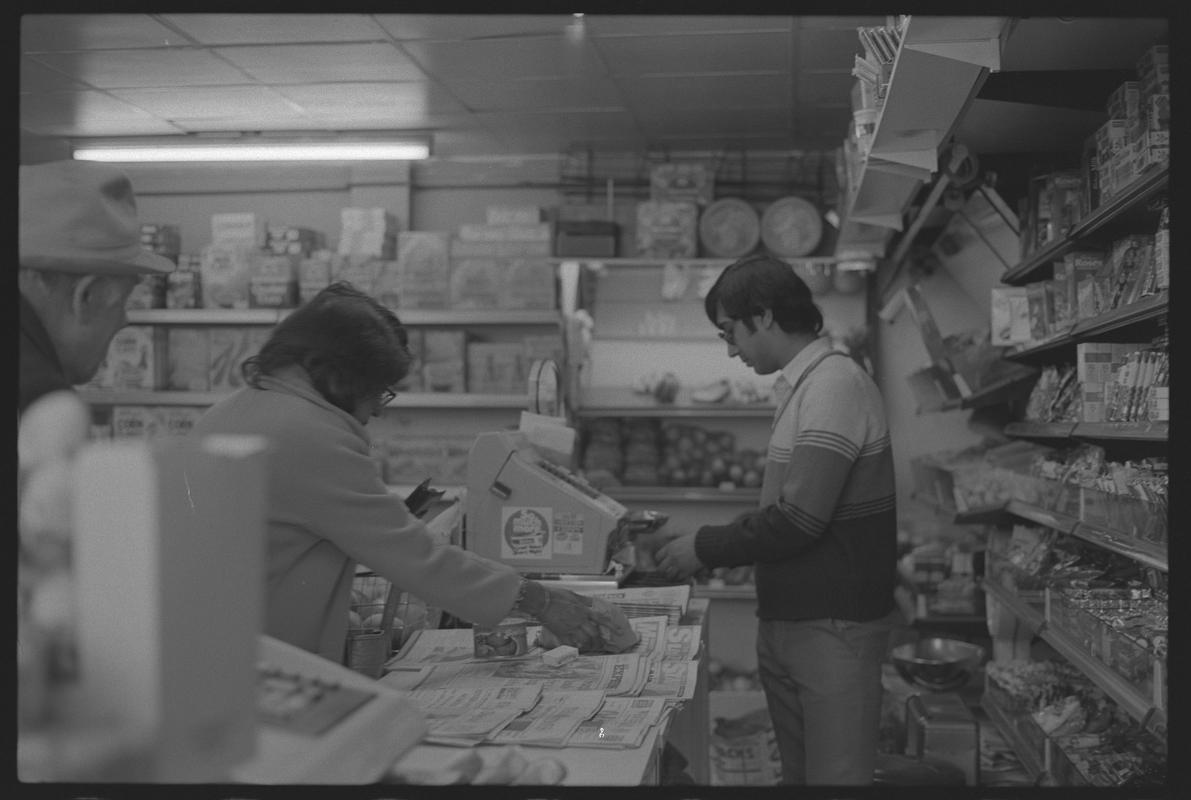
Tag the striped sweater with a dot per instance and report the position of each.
(824, 538)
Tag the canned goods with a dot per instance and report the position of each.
(507, 639)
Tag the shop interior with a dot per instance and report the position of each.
(977, 203)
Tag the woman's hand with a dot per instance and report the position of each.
(587, 624)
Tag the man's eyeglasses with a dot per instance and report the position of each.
(728, 334)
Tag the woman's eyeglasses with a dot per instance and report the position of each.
(387, 396)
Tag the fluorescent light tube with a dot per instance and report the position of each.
(258, 151)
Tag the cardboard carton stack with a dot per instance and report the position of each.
(503, 262)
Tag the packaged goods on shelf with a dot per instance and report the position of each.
(1053, 398)
(496, 368)
(360, 270)
(411, 459)
(1096, 364)
(225, 273)
(1038, 310)
(161, 238)
(136, 422)
(149, 292)
(444, 360)
(667, 229)
(187, 359)
(1162, 250)
(370, 232)
(183, 286)
(475, 283)
(685, 181)
(292, 240)
(1009, 315)
(513, 215)
(314, 274)
(602, 459)
(274, 282)
(229, 348)
(412, 382)
(527, 283)
(135, 359)
(423, 275)
(480, 232)
(458, 248)
(238, 228)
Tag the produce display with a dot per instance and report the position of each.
(647, 452)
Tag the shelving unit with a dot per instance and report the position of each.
(413, 400)
(618, 401)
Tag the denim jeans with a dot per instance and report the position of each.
(822, 681)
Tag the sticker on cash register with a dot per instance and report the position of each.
(568, 533)
(526, 532)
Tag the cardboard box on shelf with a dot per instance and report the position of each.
(682, 181)
(444, 360)
(1009, 316)
(178, 420)
(423, 269)
(314, 274)
(188, 353)
(149, 292)
(667, 229)
(360, 270)
(496, 368)
(274, 282)
(225, 273)
(475, 283)
(183, 286)
(513, 215)
(238, 228)
(136, 422)
(527, 283)
(368, 232)
(1124, 102)
(135, 360)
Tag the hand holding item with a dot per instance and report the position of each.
(677, 560)
(648, 544)
(589, 624)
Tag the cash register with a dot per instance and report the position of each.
(537, 516)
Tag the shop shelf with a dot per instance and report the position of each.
(1034, 618)
(1060, 522)
(148, 397)
(1148, 553)
(1009, 726)
(271, 316)
(1148, 309)
(622, 401)
(205, 316)
(1122, 431)
(681, 494)
(1047, 349)
(1040, 430)
(1036, 262)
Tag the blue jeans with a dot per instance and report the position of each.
(822, 681)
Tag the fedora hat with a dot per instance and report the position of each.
(78, 216)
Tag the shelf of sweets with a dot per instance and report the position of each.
(1145, 187)
(1124, 431)
(1148, 553)
(1033, 617)
(148, 397)
(1008, 727)
(1146, 310)
(648, 262)
(271, 316)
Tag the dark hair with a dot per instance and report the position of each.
(351, 346)
(751, 285)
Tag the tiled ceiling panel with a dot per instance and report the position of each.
(537, 93)
(110, 69)
(670, 25)
(708, 91)
(506, 59)
(697, 53)
(471, 26)
(195, 102)
(96, 113)
(317, 63)
(220, 29)
(36, 77)
(411, 102)
(63, 32)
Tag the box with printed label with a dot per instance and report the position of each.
(479, 232)
(513, 215)
(183, 287)
(1110, 137)
(1123, 102)
(1038, 311)
(682, 182)
(475, 283)
(468, 249)
(496, 368)
(368, 232)
(229, 348)
(1009, 316)
(225, 272)
(187, 359)
(178, 420)
(361, 271)
(667, 229)
(412, 382)
(243, 228)
(1095, 365)
(136, 422)
(444, 361)
(135, 359)
(423, 271)
(274, 282)
(527, 283)
(149, 292)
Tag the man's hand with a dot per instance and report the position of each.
(648, 544)
(677, 560)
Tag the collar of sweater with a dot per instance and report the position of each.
(295, 380)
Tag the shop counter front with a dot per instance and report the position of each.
(679, 669)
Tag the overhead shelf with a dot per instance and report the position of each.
(412, 400)
(618, 401)
(1148, 310)
(1033, 618)
(1026, 754)
(1101, 431)
(1040, 430)
(271, 316)
(939, 67)
(1144, 552)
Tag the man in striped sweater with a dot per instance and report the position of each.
(824, 537)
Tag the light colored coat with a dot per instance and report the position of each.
(328, 510)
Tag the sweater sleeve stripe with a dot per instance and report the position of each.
(829, 440)
(855, 510)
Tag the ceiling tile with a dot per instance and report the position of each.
(696, 53)
(410, 101)
(36, 77)
(471, 26)
(716, 91)
(241, 102)
(110, 69)
(469, 143)
(572, 124)
(215, 29)
(58, 32)
(86, 114)
(716, 121)
(506, 59)
(559, 93)
(670, 24)
(313, 63)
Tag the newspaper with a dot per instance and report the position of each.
(431, 646)
(645, 601)
(622, 723)
(671, 679)
(683, 643)
(552, 721)
(617, 675)
(469, 716)
(405, 677)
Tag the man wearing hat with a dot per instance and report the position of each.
(80, 257)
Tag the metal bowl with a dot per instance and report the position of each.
(937, 663)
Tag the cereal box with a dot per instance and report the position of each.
(475, 283)
(444, 361)
(178, 420)
(187, 356)
(527, 283)
(229, 348)
(136, 422)
(135, 358)
(225, 273)
(423, 269)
